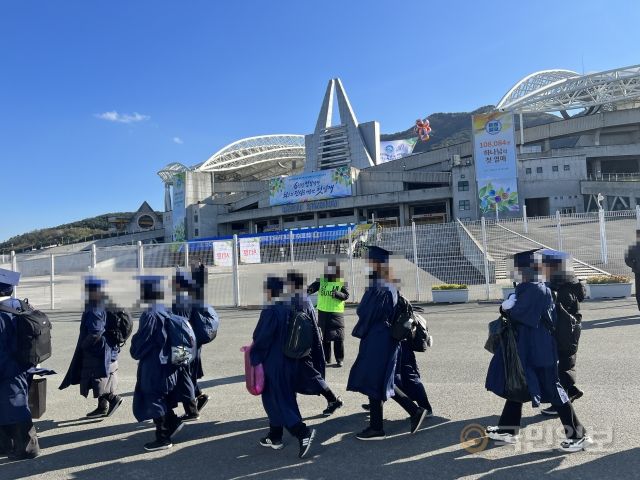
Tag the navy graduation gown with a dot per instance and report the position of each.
(372, 373)
(279, 396)
(532, 315)
(14, 377)
(156, 380)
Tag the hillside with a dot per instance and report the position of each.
(62, 234)
(453, 128)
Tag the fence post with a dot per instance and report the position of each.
(351, 272)
(140, 257)
(186, 255)
(637, 217)
(559, 228)
(603, 237)
(497, 215)
(14, 267)
(94, 257)
(415, 259)
(236, 276)
(291, 247)
(524, 219)
(486, 258)
(52, 281)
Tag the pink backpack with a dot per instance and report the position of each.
(253, 376)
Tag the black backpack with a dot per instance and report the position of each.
(118, 327)
(299, 339)
(205, 323)
(420, 338)
(33, 332)
(402, 324)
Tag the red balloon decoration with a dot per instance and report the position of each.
(423, 129)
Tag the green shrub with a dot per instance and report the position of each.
(450, 286)
(603, 279)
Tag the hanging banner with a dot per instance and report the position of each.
(494, 153)
(500, 194)
(179, 213)
(321, 185)
(223, 253)
(250, 250)
(395, 149)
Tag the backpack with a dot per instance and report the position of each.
(402, 324)
(181, 339)
(33, 332)
(420, 337)
(205, 323)
(118, 327)
(299, 339)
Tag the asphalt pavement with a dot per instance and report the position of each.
(223, 444)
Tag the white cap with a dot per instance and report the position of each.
(9, 277)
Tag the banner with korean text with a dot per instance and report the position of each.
(395, 149)
(250, 250)
(494, 152)
(223, 253)
(320, 185)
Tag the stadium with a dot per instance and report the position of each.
(590, 146)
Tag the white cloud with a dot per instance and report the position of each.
(177, 140)
(122, 117)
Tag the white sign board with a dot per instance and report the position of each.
(250, 250)
(223, 253)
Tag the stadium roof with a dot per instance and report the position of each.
(256, 158)
(563, 90)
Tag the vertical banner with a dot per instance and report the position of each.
(494, 153)
(178, 215)
(223, 253)
(250, 250)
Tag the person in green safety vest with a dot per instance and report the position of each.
(332, 294)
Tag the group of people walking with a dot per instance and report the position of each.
(168, 347)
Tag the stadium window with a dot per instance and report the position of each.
(195, 218)
(464, 205)
(554, 168)
(197, 232)
(539, 170)
(567, 168)
(528, 171)
(463, 186)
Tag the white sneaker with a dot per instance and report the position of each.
(576, 445)
(494, 434)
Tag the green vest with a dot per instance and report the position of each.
(326, 303)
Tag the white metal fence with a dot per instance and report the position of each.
(473, 253)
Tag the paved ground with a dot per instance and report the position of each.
(223, 444)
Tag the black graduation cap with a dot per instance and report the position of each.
(378, 254)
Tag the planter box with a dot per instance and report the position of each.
(609, 290)
(450, 296)
(506, 291)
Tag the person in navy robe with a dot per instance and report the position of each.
(18, 438)
(310, 379)
(533, 314)
(94, 366)
(409, 380)
(187, 375)
(373, 371)
(155, 395)
(279, 395)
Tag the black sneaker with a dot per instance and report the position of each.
(575, 394)
(176, 429)
(366, 407)
(114, 403)
(98, 413)
(202, 400)
(417, 419)
(268, 442)
(22, 456)
(549, 411)
(371, 434)
(332, 407)
(158, 445)
(339, 364)
(305, 442)
(190, 417)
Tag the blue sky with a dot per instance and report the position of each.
(96, 96)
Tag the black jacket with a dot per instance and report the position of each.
(568, 295)
(632, 258)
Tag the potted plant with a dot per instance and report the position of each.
(608, 286)
(450, 293)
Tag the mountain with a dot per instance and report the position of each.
(453, 128)
(67, 233)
